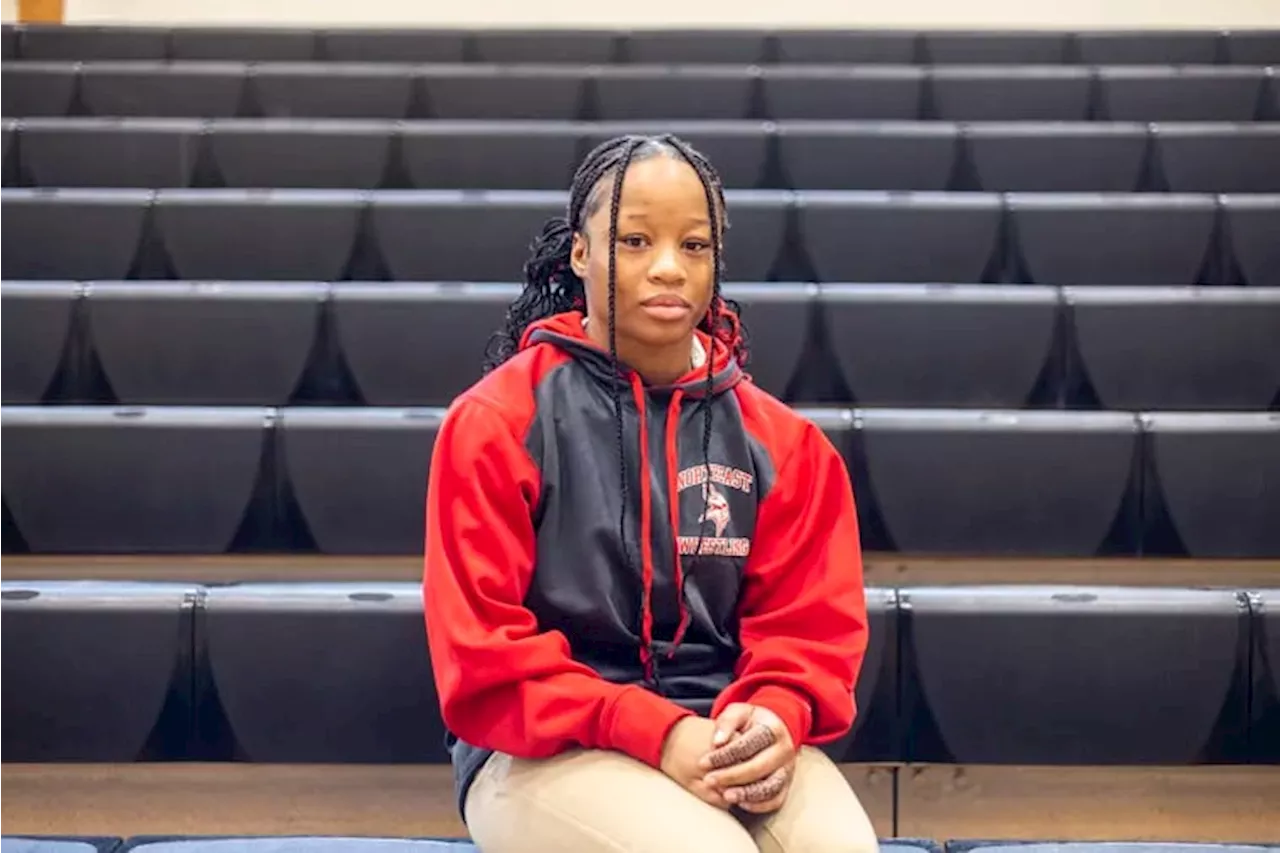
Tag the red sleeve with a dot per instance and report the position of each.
(502, 683)
(803, 609)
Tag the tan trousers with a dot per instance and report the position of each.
(589, 801)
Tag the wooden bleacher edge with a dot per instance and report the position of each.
(1240, 804)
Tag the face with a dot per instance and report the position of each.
(664, 272)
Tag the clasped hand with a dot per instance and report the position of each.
(745, 758)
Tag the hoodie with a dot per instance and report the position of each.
(744, 586)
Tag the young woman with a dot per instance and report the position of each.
(643, 583)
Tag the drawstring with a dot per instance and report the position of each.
(673, 465)
(646, 540)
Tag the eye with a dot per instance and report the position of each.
(697, 245)
(633, 241)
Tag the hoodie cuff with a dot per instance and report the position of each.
(639, 723)
(791, 707)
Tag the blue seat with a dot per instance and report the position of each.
(58, 844)
(1103, 847)
(297, 844)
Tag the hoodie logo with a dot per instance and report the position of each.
(715, 509)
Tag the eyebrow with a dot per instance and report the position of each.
(700, 220)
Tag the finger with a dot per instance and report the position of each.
(761, 794)
(740, 749)
(734, 718)
(752, 770)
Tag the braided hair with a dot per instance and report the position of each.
(552, 287)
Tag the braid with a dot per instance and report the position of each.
(616, 380)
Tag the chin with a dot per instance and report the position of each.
(652, 333)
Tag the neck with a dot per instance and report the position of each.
(656, 365)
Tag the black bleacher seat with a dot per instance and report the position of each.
(474, 155)
(305, 90)
(460, 236)
(841, 92)
(307, 235)
(36, 319)
(1074, 675)
(301, 153)
(189, 343)
(1222, 93)
(1252, 223)
(1178, 348)
(86, 43)
(1264, 713)
(739, 150)
(1253, 47)
(359, 686)
(755, 241)
(867, 155)
(777, 316)
(45, 231)
(8, 42)
(110, 479)
(507, 92)
(1003, 93)
(1147, 48)
(370, 498)
(101, 669)
(248, 44)
(1057, 157)
(672, 92)
(679, 47)
(1161, 239)
(417, 344)
(940, 346)
(899, 237)
(1219, 479)
(391, 45)
(97, 152)
(876, 734)
(9, 135)
(37, 88)
(547, 46)
(1033, 483)
(163, 90)
(995, 48)
(1221, 158)
(836, 47)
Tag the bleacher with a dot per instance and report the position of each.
(1028, 283)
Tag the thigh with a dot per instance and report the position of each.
(821, 814)
(593, 801)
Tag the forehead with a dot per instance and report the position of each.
(657, 187)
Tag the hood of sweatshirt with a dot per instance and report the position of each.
(567, 332)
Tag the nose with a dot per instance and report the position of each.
(667, 268)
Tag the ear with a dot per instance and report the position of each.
(578, 255)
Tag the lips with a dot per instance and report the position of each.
(665, 302)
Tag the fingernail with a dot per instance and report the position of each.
(731, 795)
(704, 764)
(720, 738)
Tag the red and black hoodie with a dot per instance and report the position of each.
(540, 638)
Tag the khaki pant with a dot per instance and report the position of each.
(605, 802)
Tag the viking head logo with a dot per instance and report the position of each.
(717, 510)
